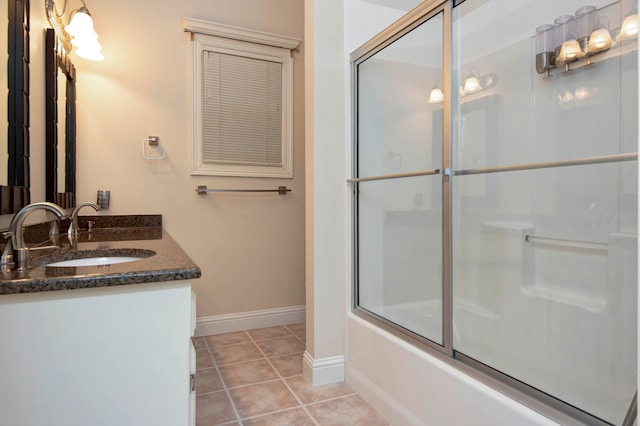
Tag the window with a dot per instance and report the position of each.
(242, 93)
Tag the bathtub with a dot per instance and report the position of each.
(519, 303)
(411, 387)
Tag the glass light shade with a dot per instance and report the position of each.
(600, 40)
(83, 41)
(90, 51)
(569, 51)
(436, 96)
(629, 28)
(81, 26)
(471, 84)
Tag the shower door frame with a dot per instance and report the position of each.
(527, 395)
(400, 28)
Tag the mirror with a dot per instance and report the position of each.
(14, 192)
(60, 126)
(4, 83)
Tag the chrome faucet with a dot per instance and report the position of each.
(72, 232)
(16, 251)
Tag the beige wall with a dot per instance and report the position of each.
(250, 247)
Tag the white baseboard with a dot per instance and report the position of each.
(324, 370)
(218, 324)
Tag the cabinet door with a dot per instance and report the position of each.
(103, 356)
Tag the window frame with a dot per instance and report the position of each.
(224, 39)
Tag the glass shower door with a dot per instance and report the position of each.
(398, 182)
(496, 220)
(545, 206)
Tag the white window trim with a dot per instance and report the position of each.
(253, 44)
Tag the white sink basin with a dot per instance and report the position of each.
(93, 261)
(98, 257)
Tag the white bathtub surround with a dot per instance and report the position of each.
(219, 324)
(410, 387)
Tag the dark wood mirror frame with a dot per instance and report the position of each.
(16, 194)
(57, 61)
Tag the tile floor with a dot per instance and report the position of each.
(254, 377)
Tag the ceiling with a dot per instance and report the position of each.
(404, 5)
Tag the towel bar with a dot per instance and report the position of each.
(202, 189)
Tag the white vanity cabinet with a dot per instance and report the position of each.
(116, 356)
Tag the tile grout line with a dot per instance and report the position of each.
(224, 384)
(296, 336)
(315, 422)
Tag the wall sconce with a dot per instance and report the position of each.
(78, 33)
(436, 96)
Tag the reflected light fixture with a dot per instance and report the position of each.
(567, 46)
(600, 39)
(583, 36)
(472, 84)
(629, 27)
(78, 33)
(436, 96)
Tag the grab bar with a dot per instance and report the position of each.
(202, 189)
(614, 158)
(568, 243)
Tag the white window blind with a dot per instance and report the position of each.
(242, 101)
(242, 110)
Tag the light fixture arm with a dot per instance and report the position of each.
(64, 9)
(78, 33)
(55, 20)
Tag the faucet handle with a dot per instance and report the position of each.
(6, 260)
(54, 229)
(9, 236)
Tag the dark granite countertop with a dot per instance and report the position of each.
(121, 233)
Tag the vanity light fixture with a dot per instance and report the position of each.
(436, 96)
(582, 36)
(78, 33)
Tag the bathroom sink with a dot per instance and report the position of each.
(93, 261)
(99, 257)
